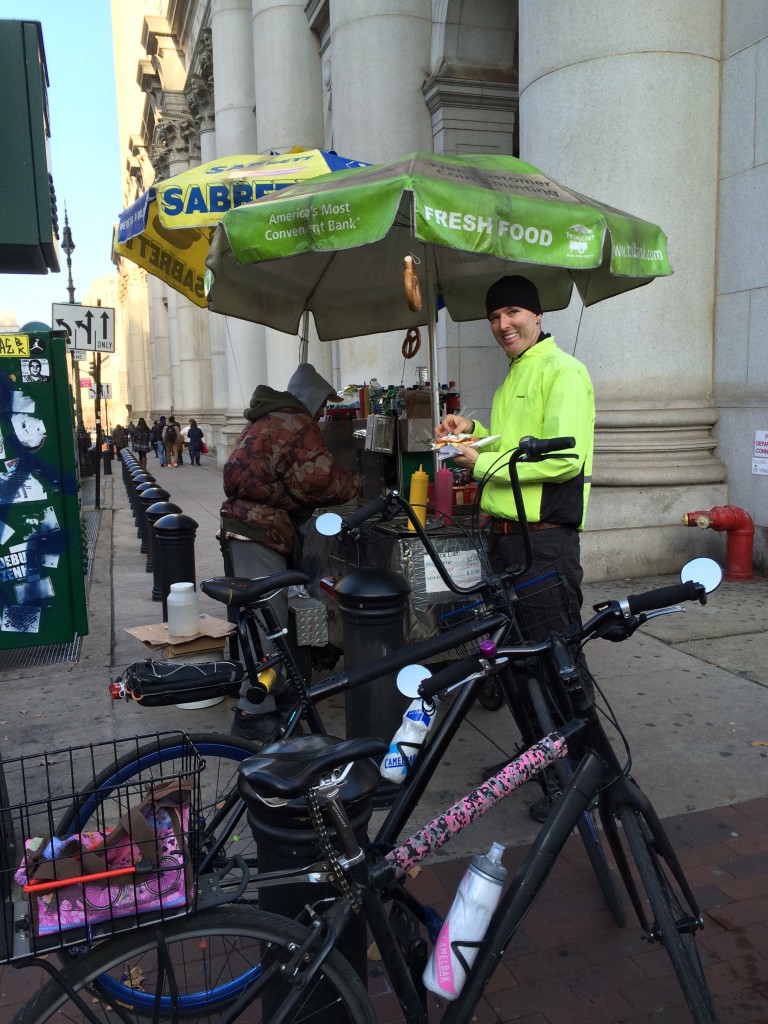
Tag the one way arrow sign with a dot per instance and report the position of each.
(87, 327)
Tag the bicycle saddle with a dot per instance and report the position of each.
(239, 591)
(288, 768)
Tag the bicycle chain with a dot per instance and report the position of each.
(336, 872)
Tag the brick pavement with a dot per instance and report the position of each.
(570, 963)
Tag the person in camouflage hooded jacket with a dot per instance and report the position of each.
(279, 472)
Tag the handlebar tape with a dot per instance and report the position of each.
(407, 655)
(446, 677)
(542, 445)
(376, 507)
(664, 596)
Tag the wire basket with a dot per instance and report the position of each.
(96, 840)
(458, 614)
(541, 605)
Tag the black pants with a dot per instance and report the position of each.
(559, 547)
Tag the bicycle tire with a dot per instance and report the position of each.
(667, 909)
(211, 946)
(586, 826)
(218, 786)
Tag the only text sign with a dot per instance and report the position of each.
(87, 327)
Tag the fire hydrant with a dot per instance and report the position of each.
(740, 528)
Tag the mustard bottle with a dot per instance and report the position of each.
(418, 497)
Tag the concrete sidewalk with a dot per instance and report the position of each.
(689, 691)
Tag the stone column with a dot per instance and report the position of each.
(160, 351)
(236, 133)
(289, 112)
(212, 370)
(649, 351)
(382, 121)
(187, 364)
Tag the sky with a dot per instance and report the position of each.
(85, 154)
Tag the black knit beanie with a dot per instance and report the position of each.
(512, 290)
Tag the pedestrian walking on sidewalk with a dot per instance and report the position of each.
(194, 442)
(173, 442)
(141, 442)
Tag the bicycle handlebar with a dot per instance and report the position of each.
(665, 596)
(377, 507)
(533, 447)
(610, 613)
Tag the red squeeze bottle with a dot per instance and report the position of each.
(444, 495)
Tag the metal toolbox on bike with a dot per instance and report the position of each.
(96, 840)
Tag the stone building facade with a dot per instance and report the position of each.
(654, 108)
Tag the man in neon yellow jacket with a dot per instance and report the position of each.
(546, 393)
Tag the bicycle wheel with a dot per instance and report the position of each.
(587, 826)
(222, 821)
(207, 961)
(672, 925)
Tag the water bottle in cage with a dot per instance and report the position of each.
(407, 741)
(465, 926)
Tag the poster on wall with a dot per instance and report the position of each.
(42, 586)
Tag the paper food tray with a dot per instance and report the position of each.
(448, 451)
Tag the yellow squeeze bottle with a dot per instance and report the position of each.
(418, 497)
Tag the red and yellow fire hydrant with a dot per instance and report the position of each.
(740, 528)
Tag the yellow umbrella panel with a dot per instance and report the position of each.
(167, 231)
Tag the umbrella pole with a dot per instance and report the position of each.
(434, 380)
(304, 337)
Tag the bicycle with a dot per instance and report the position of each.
(245, 957)
(525, 604)
(566, 813)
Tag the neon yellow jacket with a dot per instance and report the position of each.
(546, 393)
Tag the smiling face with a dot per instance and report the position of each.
(515, 329)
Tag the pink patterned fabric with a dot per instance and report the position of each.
(85, 904)
(469, 808)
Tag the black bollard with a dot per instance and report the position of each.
(138, 511)
(285, 838)
(148, 497)
(372, 604)
(155, 512)
(175, 551)
(137, 476)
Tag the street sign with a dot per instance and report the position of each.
(78, 354)
(87, 327)
(85, 382)
(106, 391)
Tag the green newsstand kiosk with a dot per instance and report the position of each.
(42, 578)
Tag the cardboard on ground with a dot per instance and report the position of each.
(210, 637)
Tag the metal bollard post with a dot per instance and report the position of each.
(147, 498)
(372, 605)
(175, 550)
(106, 455)
(137, 476)
(285, 838)
(154, 513)
(138, 511)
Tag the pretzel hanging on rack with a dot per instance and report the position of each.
(411, 343)
(411, 284)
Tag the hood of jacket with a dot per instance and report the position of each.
(266, 400)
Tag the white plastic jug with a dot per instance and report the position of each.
(183, 614)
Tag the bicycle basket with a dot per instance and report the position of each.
(454, 616)
(541, 605)
(80, 861)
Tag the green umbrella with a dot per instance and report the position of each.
(335, 246)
